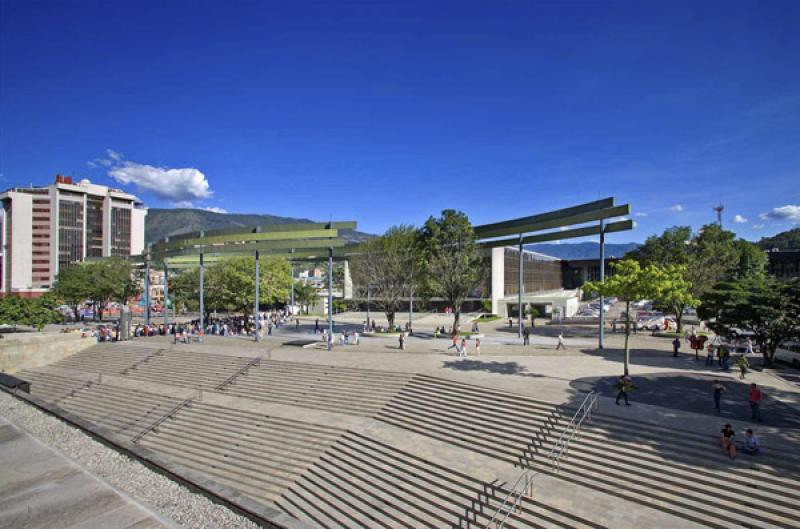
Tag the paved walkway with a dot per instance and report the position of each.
(40, 488)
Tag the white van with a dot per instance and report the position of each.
(789, 352)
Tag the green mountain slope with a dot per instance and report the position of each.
(787, 240)
(163, 222)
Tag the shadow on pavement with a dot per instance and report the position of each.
(692, 392)
(502, 368)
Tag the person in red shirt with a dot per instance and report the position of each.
(756, 396)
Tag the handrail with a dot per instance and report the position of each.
(524, 484)
(153, 427)
(561, 446)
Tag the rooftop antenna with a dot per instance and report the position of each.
(718, 209)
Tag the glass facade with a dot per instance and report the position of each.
(94, 227)
(70, 232)
(120, 232)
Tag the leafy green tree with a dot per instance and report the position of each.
(705, 259)
(630, 282)
(752, 260)
(33, 312)
(761, 304)
(305, 294)
(74, 285)
(386, 266)
(669, 248)
(674, 293)
(453, 264)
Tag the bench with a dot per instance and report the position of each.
(14, 383)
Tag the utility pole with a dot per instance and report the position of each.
(255, 303)
(519, 287)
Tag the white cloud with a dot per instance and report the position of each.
(640, 214)
(215, 209)
(677, 208)
(176, 185)
(758, 226)
(180, 185)
(738, 219)
(787, 212)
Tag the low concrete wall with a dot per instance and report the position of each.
(28, 350)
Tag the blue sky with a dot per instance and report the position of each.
(387, 113)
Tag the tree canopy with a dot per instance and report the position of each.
(453, 264)
(33, 312)
(385, 265)
(630, 282)
(761, 304)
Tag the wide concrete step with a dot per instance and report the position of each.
(724, 474)
(311, 392)
(666, 498)
(361, 482)
(50, 387)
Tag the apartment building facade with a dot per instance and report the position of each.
(45, 229)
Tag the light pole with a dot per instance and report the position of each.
(601, 343)
(330, 298)
(255, 303)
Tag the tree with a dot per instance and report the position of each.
(385, 265)
(74, 285)
(630, 282)
(113, 279)
(761, 304)
(705, 259)
(33, 312)
(305, 294)
(674, 292)
(453, 264)
(669, 248)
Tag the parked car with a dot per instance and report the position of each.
(789, 352)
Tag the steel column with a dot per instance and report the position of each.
(368, 300)
(519, 293)
(166, 295)
(202, 295)
(291, 297)
(601, 343)
(255, 303)
(410, 298)
(146, 289)
(330, 298)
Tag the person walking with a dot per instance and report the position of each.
(676, 344)
(726, 357)
(316, 326)
(463, 347)
(749, 346)
(526, 336)
(561, 344)
(402, 341)
(454, 345)
(755, 397)
(719, 387)
(710, 356)
(477, 346)
(624, 385)
(744, 365)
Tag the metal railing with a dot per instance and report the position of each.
(511, 503)
(561, 446)
(524, 484)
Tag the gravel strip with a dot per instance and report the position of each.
(159, 493)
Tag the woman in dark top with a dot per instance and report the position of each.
(728, 440)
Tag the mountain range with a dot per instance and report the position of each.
(582, 250)
(161, 223)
